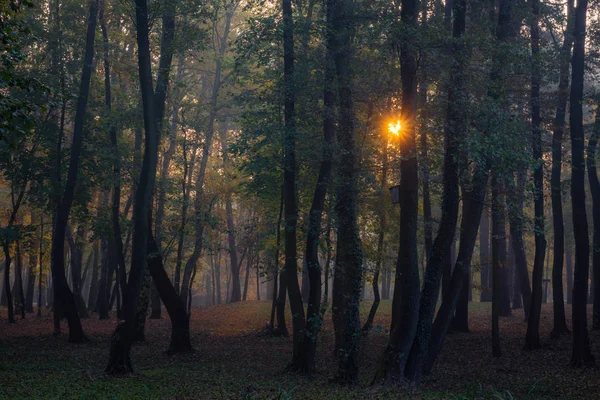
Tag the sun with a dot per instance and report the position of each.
(395, 127)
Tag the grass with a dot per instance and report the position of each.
(234, 360)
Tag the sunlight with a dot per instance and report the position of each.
(395, 127)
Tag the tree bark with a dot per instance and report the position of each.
(119, 361)
(498, 259)
(484, 256)
(61, 288)
(236, 293)
(569, 262)
(405, 305)
(290, 195)
(581, 355)
(595, 190)
(532, 338)
(560, 322)
(116, 241)
(454, 130)
(516, 217)
(380, 241)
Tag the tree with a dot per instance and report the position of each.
(582, 356)
(61, 289)
(405, 305)
(289, 183)
(455, 128)
(119, 361)
(532, 339)
(560, 323)
(595, 190)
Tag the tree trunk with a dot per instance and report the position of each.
(198, 209)
(454, 130)
(61, 288)
(484, 256)
(405, 306)
(560, 322)
(116, 241)
(76, 247)
(247, 277)
(516, 217)
(41, 258)
(380, 241)
(569, 262)
(31, 270)
(595, 190)
(473, 203)
(498, 259)
(236, 294)
(180, 323)
(582, 355)
(119, 361)
(532, 339)
(7, 291)
(276, 307)
(105, 273)
(290, 196)
(186, 184)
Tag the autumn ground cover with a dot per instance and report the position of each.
(235, 360)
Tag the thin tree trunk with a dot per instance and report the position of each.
(41, 259)
(198, 209)
(560, 322)
(498, 260)
(380, 241)
(31, 270)
(532, 338)
(236, 294)
(186, 183)
(278, 306)
(516, 216)
(484, 256)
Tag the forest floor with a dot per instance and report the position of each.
(235, 360)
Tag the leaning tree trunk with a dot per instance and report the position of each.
(148, 290)
(532, 339)
(120, 361)
(560, 322)
(582, 355)
(61, 288)
(454, 130)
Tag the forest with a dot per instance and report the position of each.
(299, 199)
